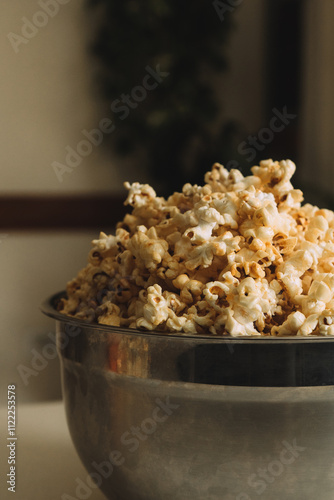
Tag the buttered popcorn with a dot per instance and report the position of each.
(239, 256)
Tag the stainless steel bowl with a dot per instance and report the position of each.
(172, 416)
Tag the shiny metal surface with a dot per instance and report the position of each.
(154, 417)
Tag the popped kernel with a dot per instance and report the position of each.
(239, 256)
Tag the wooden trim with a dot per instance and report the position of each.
(66, 212)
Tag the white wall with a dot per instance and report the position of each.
(46, 100)
(33, 266)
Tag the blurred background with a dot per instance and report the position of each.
(94, 93)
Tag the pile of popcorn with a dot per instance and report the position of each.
(238, 256)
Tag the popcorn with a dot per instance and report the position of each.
(239, 256)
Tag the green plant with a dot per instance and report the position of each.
(179, 124)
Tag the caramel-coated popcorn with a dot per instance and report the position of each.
(238, 256)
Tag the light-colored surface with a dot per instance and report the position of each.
(34, 266)
(47, 465)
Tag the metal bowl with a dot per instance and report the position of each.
(170, 416)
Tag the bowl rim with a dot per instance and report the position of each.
(48, 307)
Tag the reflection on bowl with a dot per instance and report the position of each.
(172, 416)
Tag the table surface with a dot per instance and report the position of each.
(47, 466)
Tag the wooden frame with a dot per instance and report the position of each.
(65, 212)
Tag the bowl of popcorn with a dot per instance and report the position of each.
(196, 346)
